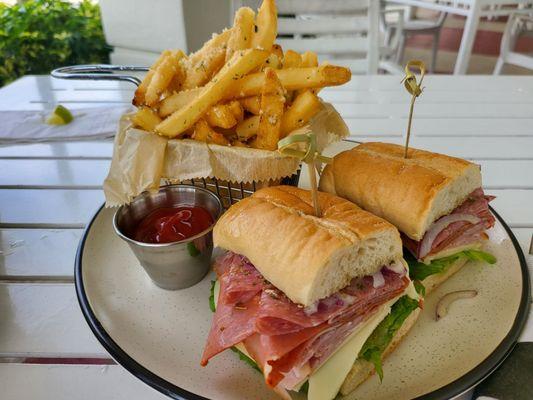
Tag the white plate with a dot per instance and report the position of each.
(159, 335)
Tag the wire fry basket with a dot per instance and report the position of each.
(231, 192)
(228, 192)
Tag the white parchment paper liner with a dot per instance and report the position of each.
(141, 159)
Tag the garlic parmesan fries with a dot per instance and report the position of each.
(240, 89)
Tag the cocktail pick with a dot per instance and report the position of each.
(415, 89)
(289, 146)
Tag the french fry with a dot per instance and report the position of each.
(237, 110)
(203, 133)
(272, 105)
(292, 59)
(302, 109)
(241, 63)
(221, 115)
(252, 84)
(178, 100)
(242, 31)
(309, 59)
(272, 61)
(203, 70)
(218, 138)
(229, 134)
(217, 41)
(138, 98)
(266, 26)
(277, 50)
(163, 74)
(202, 64)
(252, 104)
(177, 82)
(292, 79)
(238, 143)
(248, 128)
(146, 118)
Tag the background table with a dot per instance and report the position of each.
(473, 10)
(49, 191)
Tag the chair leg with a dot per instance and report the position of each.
(507, 45)
(401, 49)
(499, 66)
(434, 51)
(388, 35)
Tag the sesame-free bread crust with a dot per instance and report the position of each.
(306, 257)
(411, 193)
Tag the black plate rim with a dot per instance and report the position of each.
(453, 389)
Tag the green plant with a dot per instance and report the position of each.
(39, 35)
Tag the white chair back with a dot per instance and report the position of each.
(518, 24)
(345, 32)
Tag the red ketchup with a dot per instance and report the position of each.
(172, 224)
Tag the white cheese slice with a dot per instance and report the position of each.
(411, 291)
(326, 382)
(451, 252)
(242, 349)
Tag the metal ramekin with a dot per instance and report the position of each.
(174, 265)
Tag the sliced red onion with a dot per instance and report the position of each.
(186, 223)
(438, 226)
(379, 280)
(311, 309)
(346, 298)
(397, 267)
(443, 304)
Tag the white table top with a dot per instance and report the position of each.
(49, 191)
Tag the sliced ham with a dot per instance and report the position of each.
(243, 282)
(462, 232)
(310, 355)
(276, 347)
(287, 340)
(231, 324)
(279, 315)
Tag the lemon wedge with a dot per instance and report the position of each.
(60, 116)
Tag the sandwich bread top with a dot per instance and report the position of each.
(410, 193)
(306, 257)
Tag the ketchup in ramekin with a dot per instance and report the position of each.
(172, 224)
(170, 232)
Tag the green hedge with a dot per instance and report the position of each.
(40, 35)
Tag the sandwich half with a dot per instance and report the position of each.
(314, 303)
(436, 202)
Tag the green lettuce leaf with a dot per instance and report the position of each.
(478, 255)
(246, 359)
(381, 337)
(212, 305)
(304, 388)
(420, 289)
(419, 271)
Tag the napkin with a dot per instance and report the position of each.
(88, 124)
